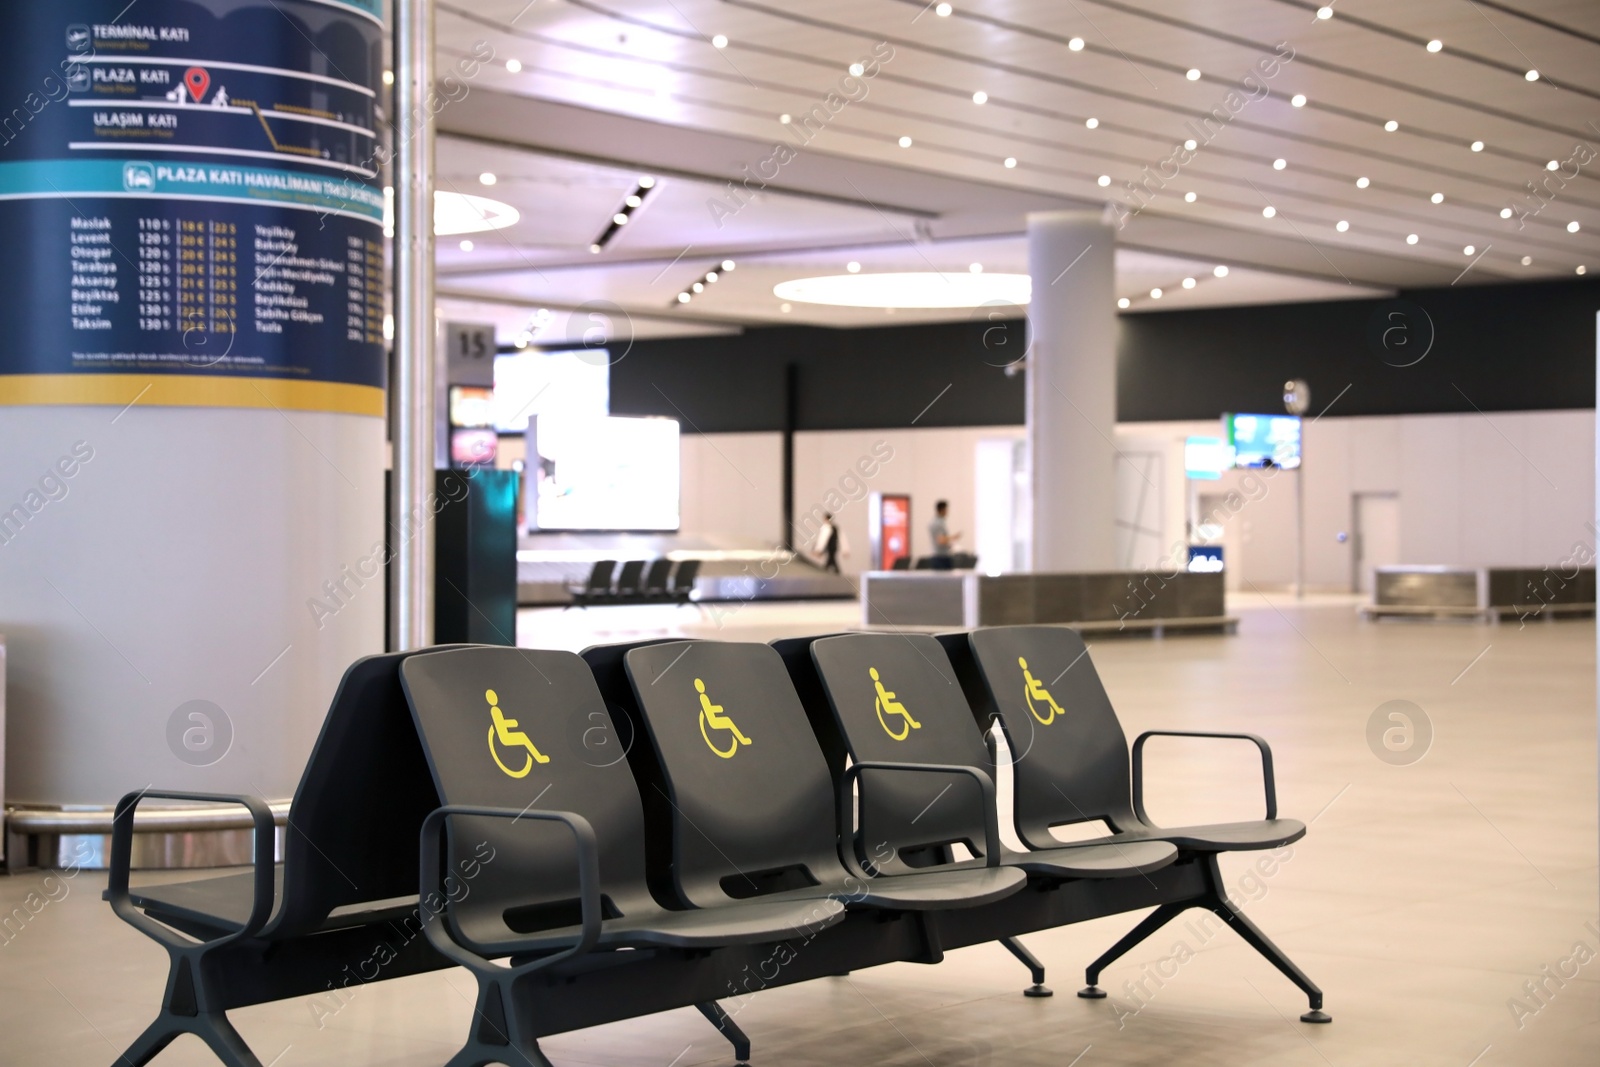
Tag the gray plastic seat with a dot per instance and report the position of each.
(754, 811)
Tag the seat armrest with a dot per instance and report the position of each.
(432, 879)
(991, 819)
(1260, 743)
(262, 891)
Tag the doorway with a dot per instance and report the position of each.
(1375, 518)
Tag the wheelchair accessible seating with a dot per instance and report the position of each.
(672, 823)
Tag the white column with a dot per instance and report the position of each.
(1072, 386)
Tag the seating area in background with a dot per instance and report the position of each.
(660, 582)
(773, 821)
(959, 561)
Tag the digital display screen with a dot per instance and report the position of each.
(588, 473)
(1264, 440)
(896, 529)
(1205, 559)
(1205, 458)
(473, 448)
(533, 383)
(471, 406)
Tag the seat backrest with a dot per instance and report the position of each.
(683, 578)
(628, 579)
(751, 798)
(895, 698)
(1069, 765)
(655, 580)
(351, 836)
(925, 563)
(600, 575)
(504, 727)
(903, 563)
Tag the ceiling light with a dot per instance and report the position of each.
(1411, 238)
(1298, 100)
(1362, 183)
(856, 70)
(1527, 261)
(711, 275)
(1324, 12)
(1103, 181)
(1155, 294)
(785, 119)
(905, 142)
(1552, 165)
(683, 298)
(1279, 164)
(1193, 74)
(1437, 198)
(1220, 271)
(943, 10)
(1091, 122)
(1123, 302)
(853, 267)
(647, 182)
(595, 249)
(1011, 162)
(620, 219)
(1505, 213)
(786, 308)
(514, 65)
(975, 268)
(487, 178)
(388, 77)
(1342, 225)
(1188, 283)
(1191, 144)
(1467, 251)
(1572, 227)
(719, 41)
(1582, 269)
(1189, 198)
(1269, 211)
(980, 97)
(925, 289)
(1436, 45)
(466, 246)
(727, 265)
(1477, 146)
(698, 287)
(457, 213)
(633, 200)
(1532, 75)
(1076, 44)
(1391, 126)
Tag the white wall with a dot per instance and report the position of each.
(732, 488)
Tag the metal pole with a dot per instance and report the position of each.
(411, 519)
(1300, 525)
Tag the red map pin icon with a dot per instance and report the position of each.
(198, 82)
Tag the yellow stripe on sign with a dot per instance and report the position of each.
(189, 391)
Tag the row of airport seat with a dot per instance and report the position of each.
(672, 823)
(662, 582)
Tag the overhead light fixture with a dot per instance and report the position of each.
(1189, 197)
(1193, 74)
(683, 298)
(1123, 302)
(620, 219)
(1468, 250)
(466, 246)
(853, 267)
(1437, 198)
(786, 308)
(719, 41)
(1324, 12)
(1435, 45)
(1155, 294)
(487, 178)
(785, 119)
(905, 142)
(1527, 261)
(1572, 227)
(712, 275)
(943, 11)
(1011, 162)
(980, 97)
(1342, 225)
(1411, 238)
(514, 66)
(388, 77)
(1477, 146)
(1076, 44)
(926, 289)
(1582, 269)
(728, 265)
(1269, 211)
(1505, 213)
(1091, 122)
(975, 268)
(1362, 183)
(1279, 164)
(1391, 126)
(1298, 100)
(1532, 75)
(631, 203)
(633, 200)
(1188, 283)
(698, 287)
(1219, 271)
(856, 70)
(1103, 181)
(457, 213)
(647, 182)
(595, 249)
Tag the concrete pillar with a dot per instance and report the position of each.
(1071, 394)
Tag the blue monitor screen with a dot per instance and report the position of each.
(1264, 440)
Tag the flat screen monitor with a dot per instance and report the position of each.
(534, 382)
(1205, 458)
(471, 406)
(1205, 559)
(603, 473)
(473, 447)
(1264, 440)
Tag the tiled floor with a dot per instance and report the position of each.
(1422, 900)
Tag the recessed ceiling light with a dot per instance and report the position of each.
(1467, 251)
(466, 246)
(785, 119)
(388, 77)
(620, 219)
(1411, 238)
(1103, 181)
(1279, 164)
(698, 287)
(1123, 302)
(980, 97)
(487, 178)
(1436, 45)
(921, 289)
(514, 65)
(1572, 227)
(943, 10)
(1220, 271)
(1269, 211)
(1076, 44)
(719, 41)
(1011, 162)
(1527, 261)
(711, 275)
(1505, 213)
(1188, 283)
(1437, 198)
(1092, 123)
(633, 200)
(683, 298)
(727, 265)
(856, 70)
(1190, 197)
(1582, 269)
(1362, 183)
(905, 142)
(1477, 146)
(1342, 225)
(1552, 165)
(647, 182)
(786, 308)
(1532, 75)
(1155, 294)
(1391, 126)
(1191, 144)
(595, 249)
(1193, 74)
(1298, 100)
(1324, 12)
(853, 267)
(975, 268)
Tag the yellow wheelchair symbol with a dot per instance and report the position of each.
(505, 731)
(713, 716)
(1034, 691)
(886, 704)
